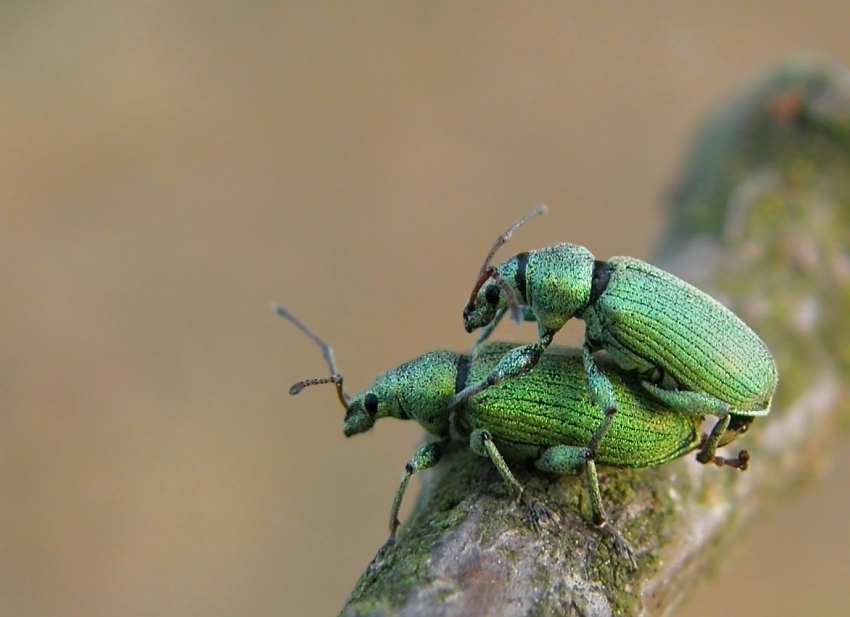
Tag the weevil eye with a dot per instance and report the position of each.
(491, 294)
(370, 402)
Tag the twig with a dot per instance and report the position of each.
(760, 220)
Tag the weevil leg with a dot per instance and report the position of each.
(487, 330)
(427, 455)
(518, 361)
(481, 443)
(601, 520)
(527, 315)
(697, 404)
(563, 460)
(708, 449)
(692, 403)
(570, 460)
(742, 461)
(601, 393)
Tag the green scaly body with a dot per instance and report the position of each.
(550, 406)
(703, 345)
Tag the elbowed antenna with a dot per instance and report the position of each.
(487, 270)
(541, 209)
(327, 353)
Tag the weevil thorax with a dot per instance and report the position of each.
(554, 281)
(417, 390)
(559, 283)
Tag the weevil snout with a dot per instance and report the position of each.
(357, 420)
(482, 308)
(476, 318)
(361, 414)
(468, 322)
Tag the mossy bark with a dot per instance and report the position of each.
(760, 220)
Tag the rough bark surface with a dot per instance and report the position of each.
(760, 220)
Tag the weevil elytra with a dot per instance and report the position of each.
(544, 416)
(691, 352)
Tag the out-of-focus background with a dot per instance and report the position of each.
(169, 168)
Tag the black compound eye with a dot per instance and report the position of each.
(491, 294)
(371, 404)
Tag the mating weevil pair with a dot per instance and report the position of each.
(674, 356)
(544, 416)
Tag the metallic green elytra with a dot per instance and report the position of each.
(544, 416)
(690, 351)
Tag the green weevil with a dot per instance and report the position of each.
(544, 416)
(690, 351)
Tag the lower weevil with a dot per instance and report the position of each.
(544, 416)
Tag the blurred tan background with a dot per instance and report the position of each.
(169, 168)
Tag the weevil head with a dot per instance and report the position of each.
(483, 305)
(500, 287)
(382, 399)
(417, 390)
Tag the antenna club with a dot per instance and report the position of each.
(327, 352)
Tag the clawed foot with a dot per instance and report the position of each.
(540, 514)
(381, 555)
(742, 461)
(625, 552)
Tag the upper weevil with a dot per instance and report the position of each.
(544, 416)
(691, 351)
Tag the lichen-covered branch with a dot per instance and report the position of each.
(761, 221)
